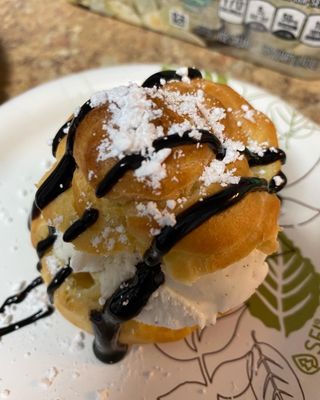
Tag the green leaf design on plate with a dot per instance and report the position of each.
(289, 296)
(306, 363)
(221, 78)
(290, 123)
(165, 67)
(207, 75)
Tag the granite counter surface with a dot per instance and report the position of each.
(47, 39)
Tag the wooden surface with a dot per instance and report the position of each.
(47, 39)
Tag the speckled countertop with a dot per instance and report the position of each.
(44, 40)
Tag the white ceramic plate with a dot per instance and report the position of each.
(267, 350)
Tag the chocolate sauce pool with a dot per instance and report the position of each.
(132, 295)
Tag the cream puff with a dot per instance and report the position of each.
(159, 211)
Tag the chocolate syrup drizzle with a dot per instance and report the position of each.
(62, 132)
(58, 280)
(88, 218)
(46, 244)
(18, 298)
(26, 321)
(198, 213)
(61, 177)
(134, 161)
(169, 75)
(273, 187)
(41, 249)
(132, 295)
(269, 156)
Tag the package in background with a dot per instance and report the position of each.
(280, 34)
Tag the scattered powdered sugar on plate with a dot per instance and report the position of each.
(5, 394)
(102, 394)
(18, 286)
(75, 374)
(78, 342)
(49, 377)
(35, 301)
(5, 215)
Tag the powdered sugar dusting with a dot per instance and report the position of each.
(183, 72)
(56, 221)
(248, 113)
(258, 148)
(192, 107)
(216, 172)
(195, 134)
(52, 263)
(76, 112)
(278, 180)
(171, 204)
(179, 128)
(214, 116)
(110, 236)
(130, 128)
(98, 99)
(66, 128)
(91, 175)
(233, 151)
(162, 217)
(152, 170)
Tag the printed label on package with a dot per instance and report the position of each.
(288, 23)
(311, 31)
(178, 19)
(260, 15)
(233, 10)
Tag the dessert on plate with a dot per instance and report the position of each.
(159, 211)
